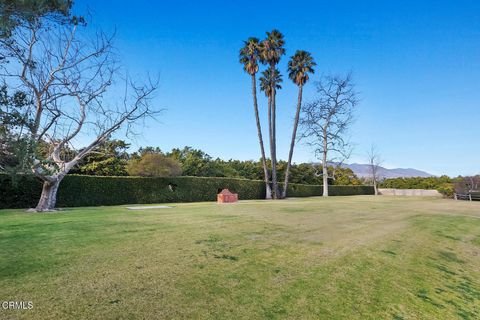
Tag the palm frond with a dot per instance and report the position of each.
(272, 48)
(249, 55)
(270, 80)
(301, 64)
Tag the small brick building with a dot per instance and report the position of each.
(225, 196)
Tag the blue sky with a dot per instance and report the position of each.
(415, 63)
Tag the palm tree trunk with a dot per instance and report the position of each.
(294, 137)
(268, 191)
(270, 135)
(274, 148)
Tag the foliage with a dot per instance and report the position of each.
(14, 12)
(249, 55)
(112, 161)
(443, 184)
(154, 165)
(304, 190)
(446, 189)
(195, 162)
(270, 81)
(272, 48)
(344, 176)
(13, 119)
(415, 182)
(78, 190)
(19, 191)
(198, 163)
(300, 66)
(109, 160)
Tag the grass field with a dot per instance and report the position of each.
(360, 257)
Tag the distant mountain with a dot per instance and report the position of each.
(363, 170)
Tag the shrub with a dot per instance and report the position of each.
(78, 190)
(154, 165)
(446, 189)
(415, 182)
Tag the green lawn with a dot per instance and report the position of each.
(359, 257)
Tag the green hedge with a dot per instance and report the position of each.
(79, 191)
(23, 192)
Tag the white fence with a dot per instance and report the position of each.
(410, 192)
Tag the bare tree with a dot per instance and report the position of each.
(332, 168)
(374, 163)
(67, 74)
(325, 121)
(467, 184)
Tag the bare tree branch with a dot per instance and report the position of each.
(68, 75)
(374, 163)
(326, 120)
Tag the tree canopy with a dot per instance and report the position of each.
(154, 165)
(113, 159)
(15, 12)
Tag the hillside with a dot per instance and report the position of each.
(363, 170)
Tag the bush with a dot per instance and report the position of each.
(415, 182)
(446, 189)
(154, 165)
(79, 191)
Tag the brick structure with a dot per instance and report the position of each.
(225, 196)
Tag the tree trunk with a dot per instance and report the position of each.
(48, 199)
(375, 186)
(274, 149)
(325, 174)
(268, 191)
(294, 137)
(270, 135)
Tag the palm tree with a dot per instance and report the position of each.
(271, 51)
(272, 48)
(299, 67)
(249, 56)
(269, 82)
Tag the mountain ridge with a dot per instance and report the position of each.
(363, 171)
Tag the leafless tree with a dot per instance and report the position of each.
(68, 74)
(374, 163)
(326, 120)
(332, 168)
(467, 184)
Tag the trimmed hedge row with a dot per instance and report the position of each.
(79, 190)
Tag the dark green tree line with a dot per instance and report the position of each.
(113, 159)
